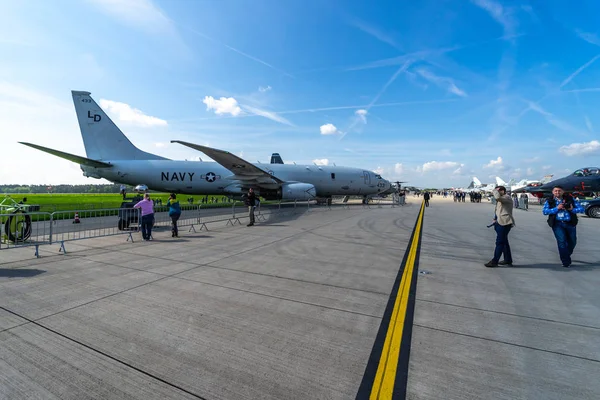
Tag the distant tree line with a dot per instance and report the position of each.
(111, 188)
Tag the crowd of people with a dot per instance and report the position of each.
(146, 206)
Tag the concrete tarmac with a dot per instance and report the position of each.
(290, 308)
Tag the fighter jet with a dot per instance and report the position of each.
(585, 181)
(112, 156)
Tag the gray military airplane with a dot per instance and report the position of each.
(112, 156)
(585, 181)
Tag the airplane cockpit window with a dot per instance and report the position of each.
(579, 172)
(378, 177)
(594, 171)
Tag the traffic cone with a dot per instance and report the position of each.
(76, 219)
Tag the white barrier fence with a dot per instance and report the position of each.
(34, 229)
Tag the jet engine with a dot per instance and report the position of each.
(298, 191)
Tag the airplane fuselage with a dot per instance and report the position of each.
(586, 185)
(195, 177)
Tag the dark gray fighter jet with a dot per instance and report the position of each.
(585, 181)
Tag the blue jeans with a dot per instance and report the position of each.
(147, 222)
(502, 245)
(566, 238)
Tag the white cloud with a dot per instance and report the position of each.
(441, 81)
(54, 118)
(225, 105)
(530, 160)
(547, 167)
(264, 89)
(229, 105)
(321, 161)
(329, 129)
(581, 149)
(379, 170)
(399, 168)
(460, 170)
(125, 113)
(530, 171)
(362, 115)
(441, 165)
(160, 144)
(268, 114)
(497, 163)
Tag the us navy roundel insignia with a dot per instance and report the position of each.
(210, 177)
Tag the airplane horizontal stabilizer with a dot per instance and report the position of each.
(71, 157)
(235, 164)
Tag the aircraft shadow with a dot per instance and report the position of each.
(19, 273)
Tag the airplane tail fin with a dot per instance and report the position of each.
(477, 181)
(102, 139)
(500, 181)
(276, 159)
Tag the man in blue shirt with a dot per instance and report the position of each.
(562, 210)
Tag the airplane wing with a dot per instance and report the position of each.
(242, 169)
(71, 157)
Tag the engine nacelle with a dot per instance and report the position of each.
(298, 191)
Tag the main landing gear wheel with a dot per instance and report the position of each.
(594, 212)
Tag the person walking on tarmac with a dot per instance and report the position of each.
(503, 222)
(174, 213)
(562, 210)
(251, 202)
(426, 197)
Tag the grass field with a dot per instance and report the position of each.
(86, 201)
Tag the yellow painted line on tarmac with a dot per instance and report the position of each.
(383, 386)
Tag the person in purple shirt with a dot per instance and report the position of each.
(147, 207)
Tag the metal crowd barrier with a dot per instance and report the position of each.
(25, 229)
(42, 228)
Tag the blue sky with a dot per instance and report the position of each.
(431, 92)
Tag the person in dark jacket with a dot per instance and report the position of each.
(426, 197)
(251, 202)
(174, 213)
(562, 210)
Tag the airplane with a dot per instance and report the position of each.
(112, 156)
(476, 186)
(523, 183)
(585, 181)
